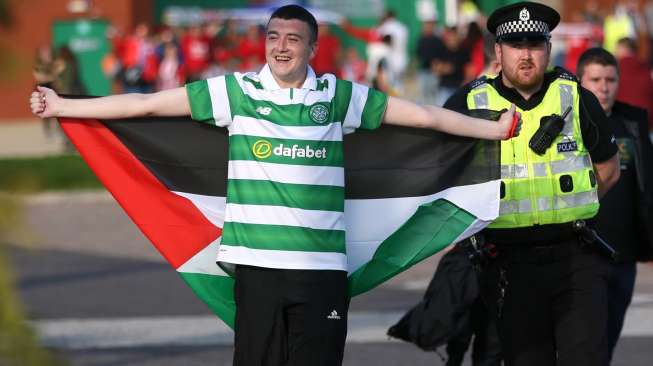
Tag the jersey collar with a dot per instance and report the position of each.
(268, 82)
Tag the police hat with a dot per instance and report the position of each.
(523, 21)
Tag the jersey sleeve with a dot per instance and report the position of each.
(209, 101)
(364, 106)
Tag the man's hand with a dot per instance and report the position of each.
(43, 102)
(510, 122)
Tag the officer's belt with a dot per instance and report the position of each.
(538, 235)
(540, 254)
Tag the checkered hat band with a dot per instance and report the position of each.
(519, 26)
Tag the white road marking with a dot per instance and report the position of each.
(205, 330)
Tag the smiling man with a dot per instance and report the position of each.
(283, 237)
(546, 288)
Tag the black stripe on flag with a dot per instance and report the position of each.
(192, 157)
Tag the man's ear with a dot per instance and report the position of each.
(313, 50)
(497, 51)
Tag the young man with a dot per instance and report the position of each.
(546, 289)
(284, 227)
(624, 217)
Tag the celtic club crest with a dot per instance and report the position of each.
(319, 113)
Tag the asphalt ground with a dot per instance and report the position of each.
(99, 294)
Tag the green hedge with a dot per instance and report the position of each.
(55, 173)
(19, 345)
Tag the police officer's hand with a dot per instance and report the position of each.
(43, 102)
(510, 122)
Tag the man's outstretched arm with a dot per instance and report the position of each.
(46, 103)
(402, 112)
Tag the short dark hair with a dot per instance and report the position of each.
(629, 43)
(596, 55)
(289, 12)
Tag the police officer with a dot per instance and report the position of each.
(546, 287)
(624, 217)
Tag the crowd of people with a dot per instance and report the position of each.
(446, 56)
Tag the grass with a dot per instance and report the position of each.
(19, 345)
(55, 173)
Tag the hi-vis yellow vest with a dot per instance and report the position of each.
(555, 188)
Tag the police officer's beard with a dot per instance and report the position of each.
(529, 82)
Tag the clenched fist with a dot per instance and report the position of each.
(43, 102)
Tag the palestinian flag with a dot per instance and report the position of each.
(409, 194)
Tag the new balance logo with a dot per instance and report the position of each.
(264, 110)
(334, 315)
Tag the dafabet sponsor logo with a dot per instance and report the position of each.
(263, 149)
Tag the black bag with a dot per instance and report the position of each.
(445, 310)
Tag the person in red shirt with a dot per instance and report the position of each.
(195, 51)
(251, 50)
(635, 83)
(474, 43)
(353, 67)
(138, 60)
(224, 47)
(327, 56)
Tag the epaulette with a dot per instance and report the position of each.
(563, 73)
(478, 82)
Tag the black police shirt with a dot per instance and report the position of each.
(598, 137)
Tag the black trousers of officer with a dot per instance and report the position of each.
(290, 317)
(550, 303)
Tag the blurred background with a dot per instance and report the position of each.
(99, 47)
(80, 285)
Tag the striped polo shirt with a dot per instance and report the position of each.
(285, 194)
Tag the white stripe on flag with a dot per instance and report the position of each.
(308, 260)
(212, 207)
(259, 127)
(204, 262)
(481, 200)
(364, 235)
(283, 173)
(279, 215)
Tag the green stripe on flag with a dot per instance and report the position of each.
(264, 192)
(432, 228)
(216, 291)
(281, 237)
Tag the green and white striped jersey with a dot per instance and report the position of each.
(285, 194)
